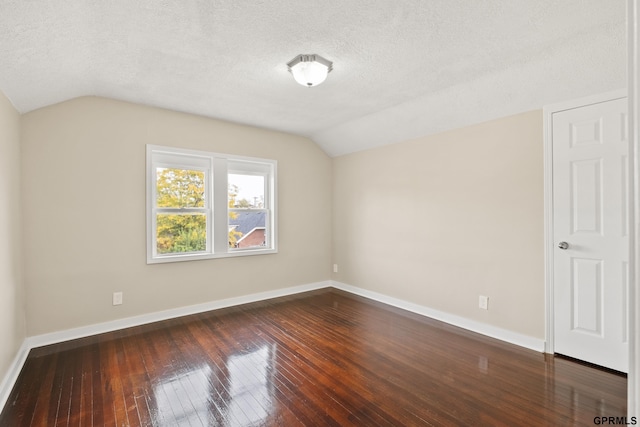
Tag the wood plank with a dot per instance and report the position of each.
(320, 358)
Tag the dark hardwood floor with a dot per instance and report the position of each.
(320, 358)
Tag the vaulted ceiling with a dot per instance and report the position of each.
(402, 68)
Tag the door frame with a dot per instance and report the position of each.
(549, 242)
(633, 82)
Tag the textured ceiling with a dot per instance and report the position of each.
(402, 68)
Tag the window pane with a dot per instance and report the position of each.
(188, 217)
(180, 188)
(247, 228)
(176, 233)
(246, 191)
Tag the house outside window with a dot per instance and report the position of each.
(203, 205)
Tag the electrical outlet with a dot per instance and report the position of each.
(483, 302)
(117, 298)
(335, 268)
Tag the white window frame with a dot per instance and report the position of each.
(255, 169)
(216, 167)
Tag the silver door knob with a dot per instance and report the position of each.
(563, 245)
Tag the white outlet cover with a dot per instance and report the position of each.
(483, 302)
(117, 298)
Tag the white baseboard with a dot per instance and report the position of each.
(86, 331)
(70, 334)
(12, 374)
(56, 337)
(459, 321)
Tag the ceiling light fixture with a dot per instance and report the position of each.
(309, 70)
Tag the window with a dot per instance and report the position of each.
(204, 205)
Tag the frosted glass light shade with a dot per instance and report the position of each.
(309, 70)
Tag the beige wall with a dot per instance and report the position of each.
(84, 213)
(442, 219)
(12, 304)
(436, 221)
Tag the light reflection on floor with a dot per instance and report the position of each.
(238, 392)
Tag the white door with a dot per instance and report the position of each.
(590, 228)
